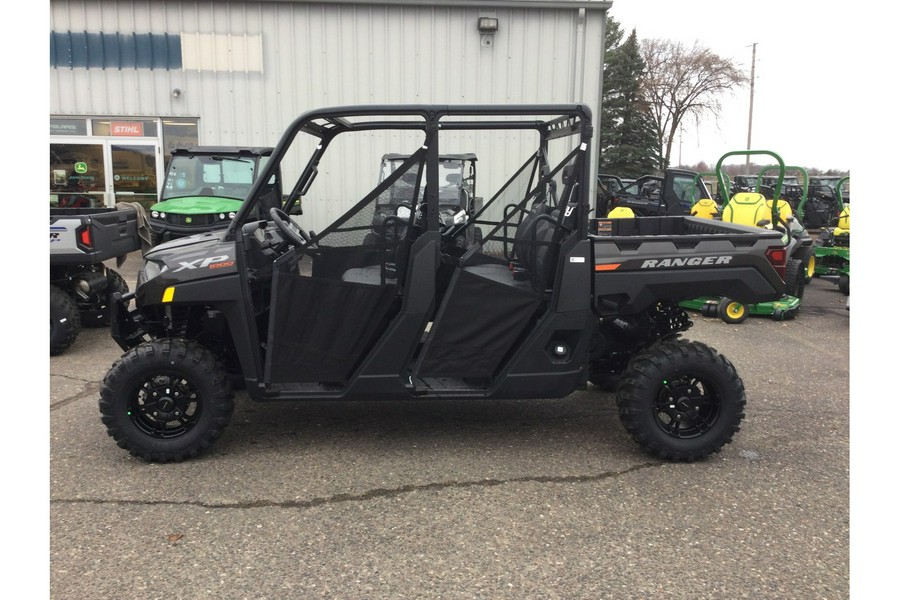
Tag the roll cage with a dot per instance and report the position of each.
(551, 121)
(378, 305)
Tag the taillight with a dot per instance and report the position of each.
(83, 238)
(777, 257)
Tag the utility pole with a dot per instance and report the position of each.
(750, 120)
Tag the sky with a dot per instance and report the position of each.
(801, 99)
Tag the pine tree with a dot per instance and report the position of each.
(628, 141)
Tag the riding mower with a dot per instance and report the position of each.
(797, 198)
(752, 208)
(832, 248)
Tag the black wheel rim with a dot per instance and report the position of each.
(686, 407)
(165, 406)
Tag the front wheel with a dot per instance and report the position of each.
(681, 400)
(732, 311)
(65, 321)
(166, 400)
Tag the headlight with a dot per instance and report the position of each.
(221, 216)
(150, 270)
(154, 214)
(231, 215)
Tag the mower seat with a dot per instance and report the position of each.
(620, 212)
(705, 208)
(844, 221)
(784, 209)
(751, 208)
(841, 233)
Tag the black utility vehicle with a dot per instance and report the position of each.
(547, 301)
(673, 193)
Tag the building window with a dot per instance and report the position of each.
(178, 133)
(79, 49)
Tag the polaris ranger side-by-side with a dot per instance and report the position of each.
(393, 308)
(81, 285)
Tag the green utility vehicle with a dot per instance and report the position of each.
(204, 188)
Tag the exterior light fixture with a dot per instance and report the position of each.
(487, 27)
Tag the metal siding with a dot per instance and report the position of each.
(322, 54)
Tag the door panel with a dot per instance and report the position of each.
(77, 175)
(134, 173)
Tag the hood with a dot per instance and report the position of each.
(198, 205)
(197, 241)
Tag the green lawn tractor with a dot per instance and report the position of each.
(832, 248)
(753, 209)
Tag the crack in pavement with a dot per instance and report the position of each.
(369, 495)
(91, 389)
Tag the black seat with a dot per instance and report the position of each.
(532, 257)
(395, 238)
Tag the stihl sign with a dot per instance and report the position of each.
(126, 128)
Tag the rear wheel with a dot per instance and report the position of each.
(681, 400)
(844, 284)
(732, 311)
(65, 322)
(795, 278)
(166, 400)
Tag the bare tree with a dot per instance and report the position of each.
(681, 82)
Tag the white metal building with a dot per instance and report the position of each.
(130, 80)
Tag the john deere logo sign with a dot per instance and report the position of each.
(189, 220)
(81, 167)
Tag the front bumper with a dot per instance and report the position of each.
(126, 325)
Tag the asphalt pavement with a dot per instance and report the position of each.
(468, 499)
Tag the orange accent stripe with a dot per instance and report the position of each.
(610, 267)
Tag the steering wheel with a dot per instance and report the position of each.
(292, 232)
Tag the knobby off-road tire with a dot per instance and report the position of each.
(166, 400)
(681, 400)
(65, 323)
(101, 315)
